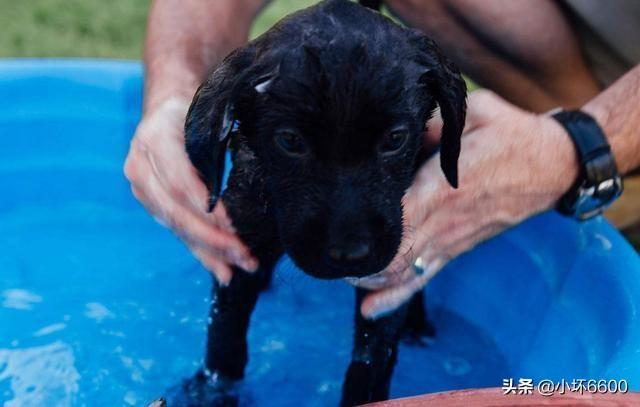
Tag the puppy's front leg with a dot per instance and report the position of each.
(374, 356)
(229, 316)
(226, 352)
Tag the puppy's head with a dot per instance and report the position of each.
(334, 108)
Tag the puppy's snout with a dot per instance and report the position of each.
(347, 244)
(349, 252)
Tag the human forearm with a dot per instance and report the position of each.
(186, 39)
(525, 52)
(617, 110)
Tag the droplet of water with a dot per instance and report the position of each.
(130, 398)
(457, 366)
(273, 345)
(17, 298)
(606, 243)
(49, 329)
(146, 363)
(97, 311)
(324, 387)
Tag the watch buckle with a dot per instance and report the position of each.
(606, 192)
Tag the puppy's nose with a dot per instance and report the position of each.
(349, 252)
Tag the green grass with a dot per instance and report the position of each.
(275, 11)
(92, 28)
(67, 28)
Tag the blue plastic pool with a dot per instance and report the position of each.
(99, 305)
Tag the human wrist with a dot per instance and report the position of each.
(173, 81)
(161, 98)
(562, 157)
(616, 109)
(616, 140)
(169, 112)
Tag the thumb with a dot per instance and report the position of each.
(385, 301)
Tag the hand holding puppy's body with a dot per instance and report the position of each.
(513, 164)
(181, 47)
(165, 182)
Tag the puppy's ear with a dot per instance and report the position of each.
(211, 118)
(444, 83)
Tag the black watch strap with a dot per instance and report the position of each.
(599, 183)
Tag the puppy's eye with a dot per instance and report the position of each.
(393, 142)
(291, 143)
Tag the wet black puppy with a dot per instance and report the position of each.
(324, 116)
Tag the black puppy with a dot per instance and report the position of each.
(324, 116)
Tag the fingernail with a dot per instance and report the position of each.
(372, 316)
(243, 261)
(378, 280)
(369, 314)
(250, 265)
(223, 282)
(377, 311)
(236, 257)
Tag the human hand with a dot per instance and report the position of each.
(513, 165)
(164, 181)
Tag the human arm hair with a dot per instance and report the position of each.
(187, 38)
(525, 51)
(617, 110)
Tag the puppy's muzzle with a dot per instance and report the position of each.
(349, 253)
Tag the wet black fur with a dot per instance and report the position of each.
(343, 77)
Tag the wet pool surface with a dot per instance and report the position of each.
(104, 307)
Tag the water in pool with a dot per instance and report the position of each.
(101, 306)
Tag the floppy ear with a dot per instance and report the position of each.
(211, 117)
(444, 83)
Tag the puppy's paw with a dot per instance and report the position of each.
(417, 329)
(205, 390)
(161, 402)
(419, 332)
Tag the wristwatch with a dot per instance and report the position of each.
(599, 183)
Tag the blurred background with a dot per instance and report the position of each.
(93, 28)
